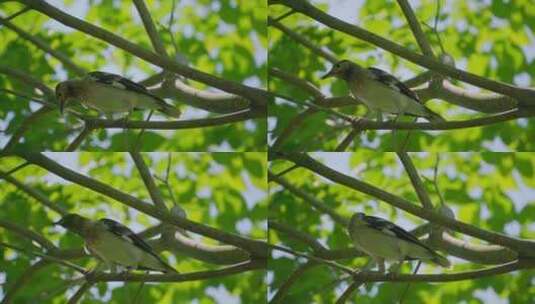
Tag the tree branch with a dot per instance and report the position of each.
(80, 292)
(179, 277)
(417, 183)
(215, 102)
(453, 277)
(150, 28)
(79, 139)
(368, 124)
(175, 125)
(415, 28)
(302, 40)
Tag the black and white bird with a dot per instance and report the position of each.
(114, 243)
(380, 91)
(110, 93)
(384, 240)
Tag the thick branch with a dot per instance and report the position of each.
(215, 102)
(214, 254)
(154, 191)
(175, 125)
(481, 102)
(368, 124)
(453, 277)
(180, 277)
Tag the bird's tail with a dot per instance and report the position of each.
(440, 260)
(434, 117)
(170, 110)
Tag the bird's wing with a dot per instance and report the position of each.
(125, 233)
(117, 81)
(122, 83)
(392, 82)
(394, 230)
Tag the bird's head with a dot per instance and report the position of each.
(64, 93)
(73, 222)
(342, 69)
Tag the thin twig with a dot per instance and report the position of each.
(80, 292)
(79, 139)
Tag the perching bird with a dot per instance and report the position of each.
(383, 240)
(110, 93)
(380, 91)
(114, 243)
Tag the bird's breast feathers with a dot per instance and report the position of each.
(114, 249)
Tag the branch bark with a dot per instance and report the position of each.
(175, 125)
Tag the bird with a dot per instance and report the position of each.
(114, 243)
(110, 93)
(380, 91)
(384, 240)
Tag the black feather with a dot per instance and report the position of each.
(381, 224)
(127, 84)
(393, 82)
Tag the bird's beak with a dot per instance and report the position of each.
(329, 74)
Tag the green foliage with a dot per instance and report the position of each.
(493, 191)
(221, 190)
